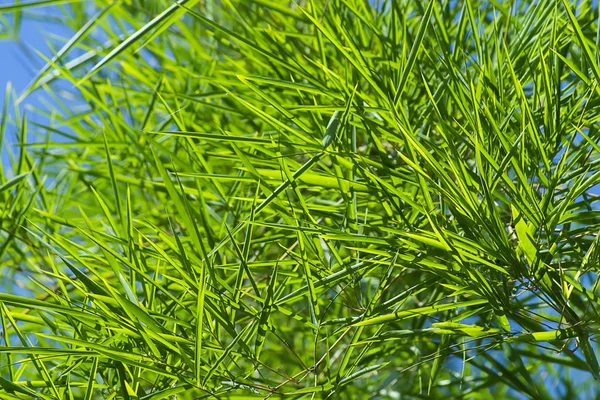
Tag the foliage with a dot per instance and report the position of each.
(307, 199)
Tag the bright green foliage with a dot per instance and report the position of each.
(306, 199)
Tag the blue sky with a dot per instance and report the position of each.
(19, 61)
